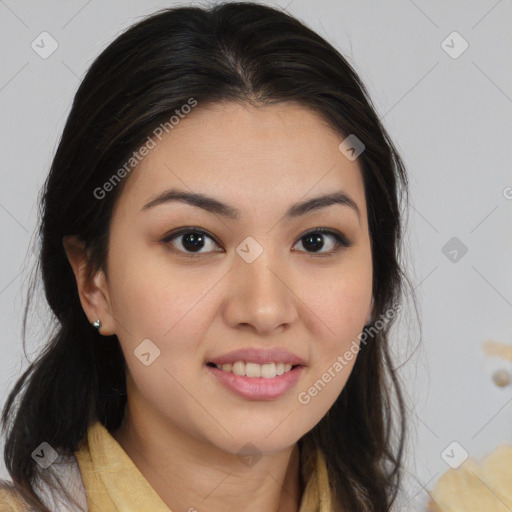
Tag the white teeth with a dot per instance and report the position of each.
(268, 370)
(255, 370)
(252, 370)
(239, 368)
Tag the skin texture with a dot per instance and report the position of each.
(182, 428)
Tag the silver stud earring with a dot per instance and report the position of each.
(97, 324)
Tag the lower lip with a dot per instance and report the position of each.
(258, 388)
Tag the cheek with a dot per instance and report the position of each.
(150, 295)
(171, 308)
(341, 305)
(341, 301)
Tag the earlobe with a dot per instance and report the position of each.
(92, 289)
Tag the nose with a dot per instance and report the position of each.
(262, 296)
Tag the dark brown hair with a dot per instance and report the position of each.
(228, 52)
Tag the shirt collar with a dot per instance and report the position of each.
(113, 482)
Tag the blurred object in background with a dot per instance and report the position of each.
(480, 488)
(495, 348)
(476, 488)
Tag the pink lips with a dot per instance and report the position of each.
(258, 388)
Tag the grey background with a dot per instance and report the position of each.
(451, 120)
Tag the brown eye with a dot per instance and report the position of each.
(314, 241)
(191, 241)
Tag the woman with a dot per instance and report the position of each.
(220, 246)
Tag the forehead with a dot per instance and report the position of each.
(272, 154)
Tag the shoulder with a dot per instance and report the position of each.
(10, 499)
(64, 492)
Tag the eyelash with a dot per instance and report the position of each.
(341, 241)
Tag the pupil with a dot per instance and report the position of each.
(314, 240)
(193, 241)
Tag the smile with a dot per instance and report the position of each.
(255, 370)
(257, 381)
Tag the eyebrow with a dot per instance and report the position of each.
(215, 206)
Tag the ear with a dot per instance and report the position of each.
(92, 290)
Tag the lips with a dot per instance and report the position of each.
(258, 356)
(256, 373)
(257, 388)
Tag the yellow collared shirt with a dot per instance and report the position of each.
(111, 482)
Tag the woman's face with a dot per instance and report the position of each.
(252, 282)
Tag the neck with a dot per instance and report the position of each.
(189, 473)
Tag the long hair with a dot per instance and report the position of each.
(242, 52)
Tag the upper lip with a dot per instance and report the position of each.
(259, 355)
